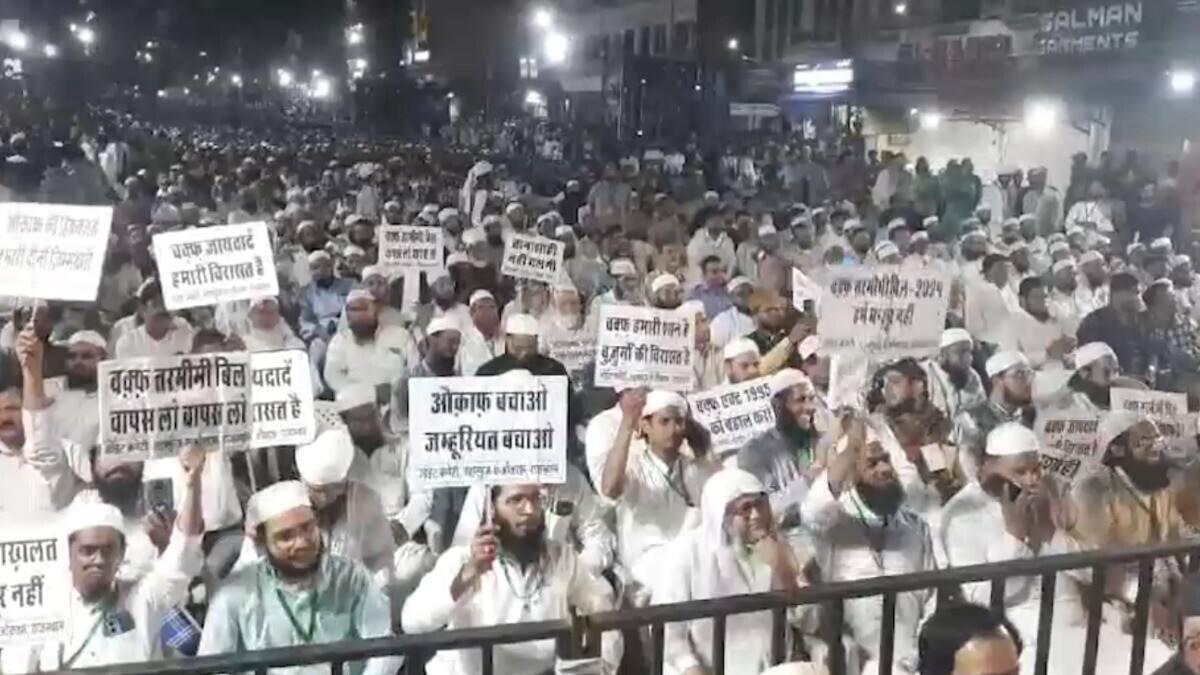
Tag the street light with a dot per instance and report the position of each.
(50, 51)
(354, 34)
(235, 80)
(901, 8)
(555, 47)
(733, 44)
(1183, 82)
(86, 35)
(285, 77)
(321, 88)
(931, 120)
(534, 98)
(1041, 116)
(18, 41)
(543, 18)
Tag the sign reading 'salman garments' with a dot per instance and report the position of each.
(1093, 28)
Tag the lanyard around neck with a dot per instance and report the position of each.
(104, 607)
(306, 636)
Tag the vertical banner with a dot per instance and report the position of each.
(53, 251)
(734, 413)
(410, 247)
(211, 265)
(1069, 444)
(152, 407)
(1169, 410)
(886, 310)
(531, 257)
(487, 430)
(35, 586)
(644, 347)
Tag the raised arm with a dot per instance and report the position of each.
(44, 449)
(612, 483)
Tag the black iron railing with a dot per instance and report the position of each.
(832, 597)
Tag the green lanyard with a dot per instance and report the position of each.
(66, 665)
(307, 636)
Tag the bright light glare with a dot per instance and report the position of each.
(901, 8)
(162, 93)
(1041, 116)
(360, 64)
(930, 120)
(733, 44)
(322, 88)
(1183, 81)
(534, 98)
(285, 77)
(543, 18)
(18, 41)
(421, 56)
(235, 80)
(354, 36)
(50, 51)
(86, 35)
(556, 47)
(316, 73)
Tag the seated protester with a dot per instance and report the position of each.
(130, 614)
(267, 330)
(443, 302)
(1133, 499)
(75, 408)
(375, 282)
(321, 303)
(574, 519)
(784, 459)
(161, 333)
(738, 320)
(439, 359)
(816, 365)
(713, 291)
(370, 352)
(600, 432)
(1096, 373)
(861, 529)
(653, 482)
(666, 292)
(1015, 512)
(299, 592)
(1187, 661)
(735, 551)
(482, 339)
(511, 572)
(953, 383)
(33, 453)
(1010, 401)
(1120, 325)
(964, 639)
(521, 351)
(1173, 338)
(707, 360)
(776, 341)
(742, 361)
(1042, 338)
(626, 289)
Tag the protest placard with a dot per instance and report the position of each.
(644, 347)
(410, 247)
(35, 586)
(885, 310)
(487, 430)
(531, 257)
(734, 413)
(575, 350)
(1069, 446)
(1169, 410)
(211, 265)
(52, 251)
(804, 290)
(152, 407)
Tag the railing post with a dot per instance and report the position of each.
(1095, 608)
(996, 600)
(656, 649)
(718, 638)
(489, 668)
(1045, 623)
(835, 618)
(778, 635)
(1141, 616)
(887, 636)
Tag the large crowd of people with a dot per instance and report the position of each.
(872, 468)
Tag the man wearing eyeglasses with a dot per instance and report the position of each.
(1012, 390)
(1187, 661)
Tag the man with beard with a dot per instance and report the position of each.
(1035, 332)
(482, 339)
(954, 385)
(666, 292)
(862, 529)
(1096, 372)
(161, 333)
(300, 593)
(368, 353)
(375, 280)
(735, 551)
(784, 458)
(741, 361)
(738, 320)
(439, 358)
(1060, 302)
(267, 331)
(130, 612)
(1092, 294)
(321, 303)
(1132, 499)
(521, 351)
(860, 240)
(1011, 393)
(75, 409)
(511, 572)
(444, 303)
(1119, 325)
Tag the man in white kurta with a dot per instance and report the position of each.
(953, 384)
(510, 573)
(368, 352)
(113, 621)
(300, 594)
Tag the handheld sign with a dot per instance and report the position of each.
(644, 347)
(531, 257)
(211, 265)
(53, 251)
(1169, 410)
(1068, 442)
(885, 310)
(487, 430)
(152, 407)
(804, 289)
(410, 247)
(35, 586)
(734, 413)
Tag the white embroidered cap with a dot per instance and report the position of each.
(659, 400)
(354, 396)
(326, 460)
(787, 378)
(953, 336)
(521, 324)
(1004, 360)
(740, 346)
(1010, 439)
(275, 500)
(82, 516)
(663, 281)
(1092, 352)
